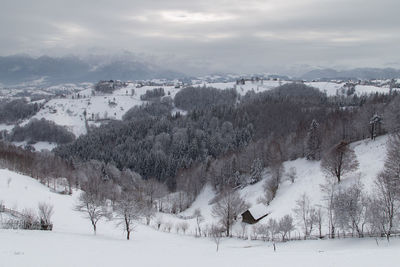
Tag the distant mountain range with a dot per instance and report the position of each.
(359, 73)
(19, 69)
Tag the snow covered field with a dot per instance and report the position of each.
(71, 243)
(150, 248)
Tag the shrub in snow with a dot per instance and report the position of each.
(45, 211)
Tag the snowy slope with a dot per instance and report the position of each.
(72, 243)
(370, 154)
(68, 111)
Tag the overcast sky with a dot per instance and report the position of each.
(226, 35)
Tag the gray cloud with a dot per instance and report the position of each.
(234, 35)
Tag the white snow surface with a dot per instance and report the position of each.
(39, 146)
(71, 243)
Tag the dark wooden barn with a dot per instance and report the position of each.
(255, 214)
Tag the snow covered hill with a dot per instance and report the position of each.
(67, 109)
(370, 154)
(71, 243)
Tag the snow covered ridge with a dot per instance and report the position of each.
(68, 103)
(72, 233)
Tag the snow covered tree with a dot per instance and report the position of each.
(375, 126)
(339, 160)
(228, 207)
(313, 142)
(255, 171)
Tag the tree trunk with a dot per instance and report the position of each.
(94, 227)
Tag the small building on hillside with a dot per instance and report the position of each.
(255, 214)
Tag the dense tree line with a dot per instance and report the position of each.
(158, 145)
(108, 86)
(15, 110)
(153, 94)
(43, 166)
(41, 130)
(191, 98)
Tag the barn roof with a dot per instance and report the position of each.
(258, 211)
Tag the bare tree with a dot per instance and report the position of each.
(216, 234)
(273, 228)
(93, 201)
(271, 184)
(177, 227)
(199, 219)
(319, 220)
(228, 208)
(148, 211)
(168, 226)
(329, 189)
(261, 230)
(154, 190)
(128, 209)
(339, 160)
(350, 207)
(383, 206)
(184, 226)
(285, 226)
(305, 214)
(243, 233)
(159, 222)
(29, 218)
